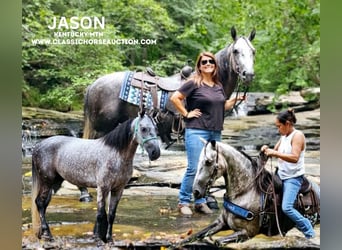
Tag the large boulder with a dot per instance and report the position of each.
(260, 103)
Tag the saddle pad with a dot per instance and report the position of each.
(131, 94)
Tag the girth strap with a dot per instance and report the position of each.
(237, 210)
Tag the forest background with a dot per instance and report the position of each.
(287, 43)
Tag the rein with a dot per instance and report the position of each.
(237, 104)
(213, 174)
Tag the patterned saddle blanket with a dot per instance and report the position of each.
(153, 96)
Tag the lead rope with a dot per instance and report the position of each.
(275, 201)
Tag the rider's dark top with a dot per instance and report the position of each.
(210, 100)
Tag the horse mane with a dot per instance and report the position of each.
(223, 63)
(120, 137)
(263, 177)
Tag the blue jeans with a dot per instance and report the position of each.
(290, 190)
(193, 146)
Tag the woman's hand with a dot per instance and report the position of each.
(269, 152)
(241, 98)
(194, 113)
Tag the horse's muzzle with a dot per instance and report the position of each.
(154, 154)
(197, 194)
(247, 77)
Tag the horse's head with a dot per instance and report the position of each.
(145, 133)
(242, 56)
(210, 167)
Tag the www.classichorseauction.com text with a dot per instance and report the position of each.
(66, 32)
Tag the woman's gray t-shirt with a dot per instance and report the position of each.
(210, 100)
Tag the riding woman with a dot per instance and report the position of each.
(290, 151)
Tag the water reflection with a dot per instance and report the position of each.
(137, 218)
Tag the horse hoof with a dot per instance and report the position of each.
(86, 198)
(100, 243)
(46, 237)
(110, 241)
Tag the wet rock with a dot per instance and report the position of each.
(259, 103)
(41, 123)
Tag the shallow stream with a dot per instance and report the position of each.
(147, 216)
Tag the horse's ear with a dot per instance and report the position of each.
(233, 33)
(252, 35)
(203, 140)
(142, 113)
(213, 143)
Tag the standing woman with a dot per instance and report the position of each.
(290, 151)
(203, 110)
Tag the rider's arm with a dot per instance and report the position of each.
(297, 143)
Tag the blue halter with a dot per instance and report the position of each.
(144, 140)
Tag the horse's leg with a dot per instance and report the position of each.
(87, 134)
(212, 229)
(234, 237)
(114, 201)
(101, 224)
(42, 201)
(85, 195)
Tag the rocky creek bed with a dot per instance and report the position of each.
(147, 217)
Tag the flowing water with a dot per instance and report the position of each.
(147, 215)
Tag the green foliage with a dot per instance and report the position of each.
(55, 76)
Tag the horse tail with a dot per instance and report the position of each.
(36, 223)
(87, 129)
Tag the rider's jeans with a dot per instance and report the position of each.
(193, 146)
(291, 188)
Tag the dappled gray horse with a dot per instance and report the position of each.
(105, 106)
(252, 202)
(105, 163)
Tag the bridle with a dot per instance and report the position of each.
(137, 134)
(215, 169)
(235, 67)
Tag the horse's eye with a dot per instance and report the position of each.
(235, 51)
(144, 130)
(208, 162)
